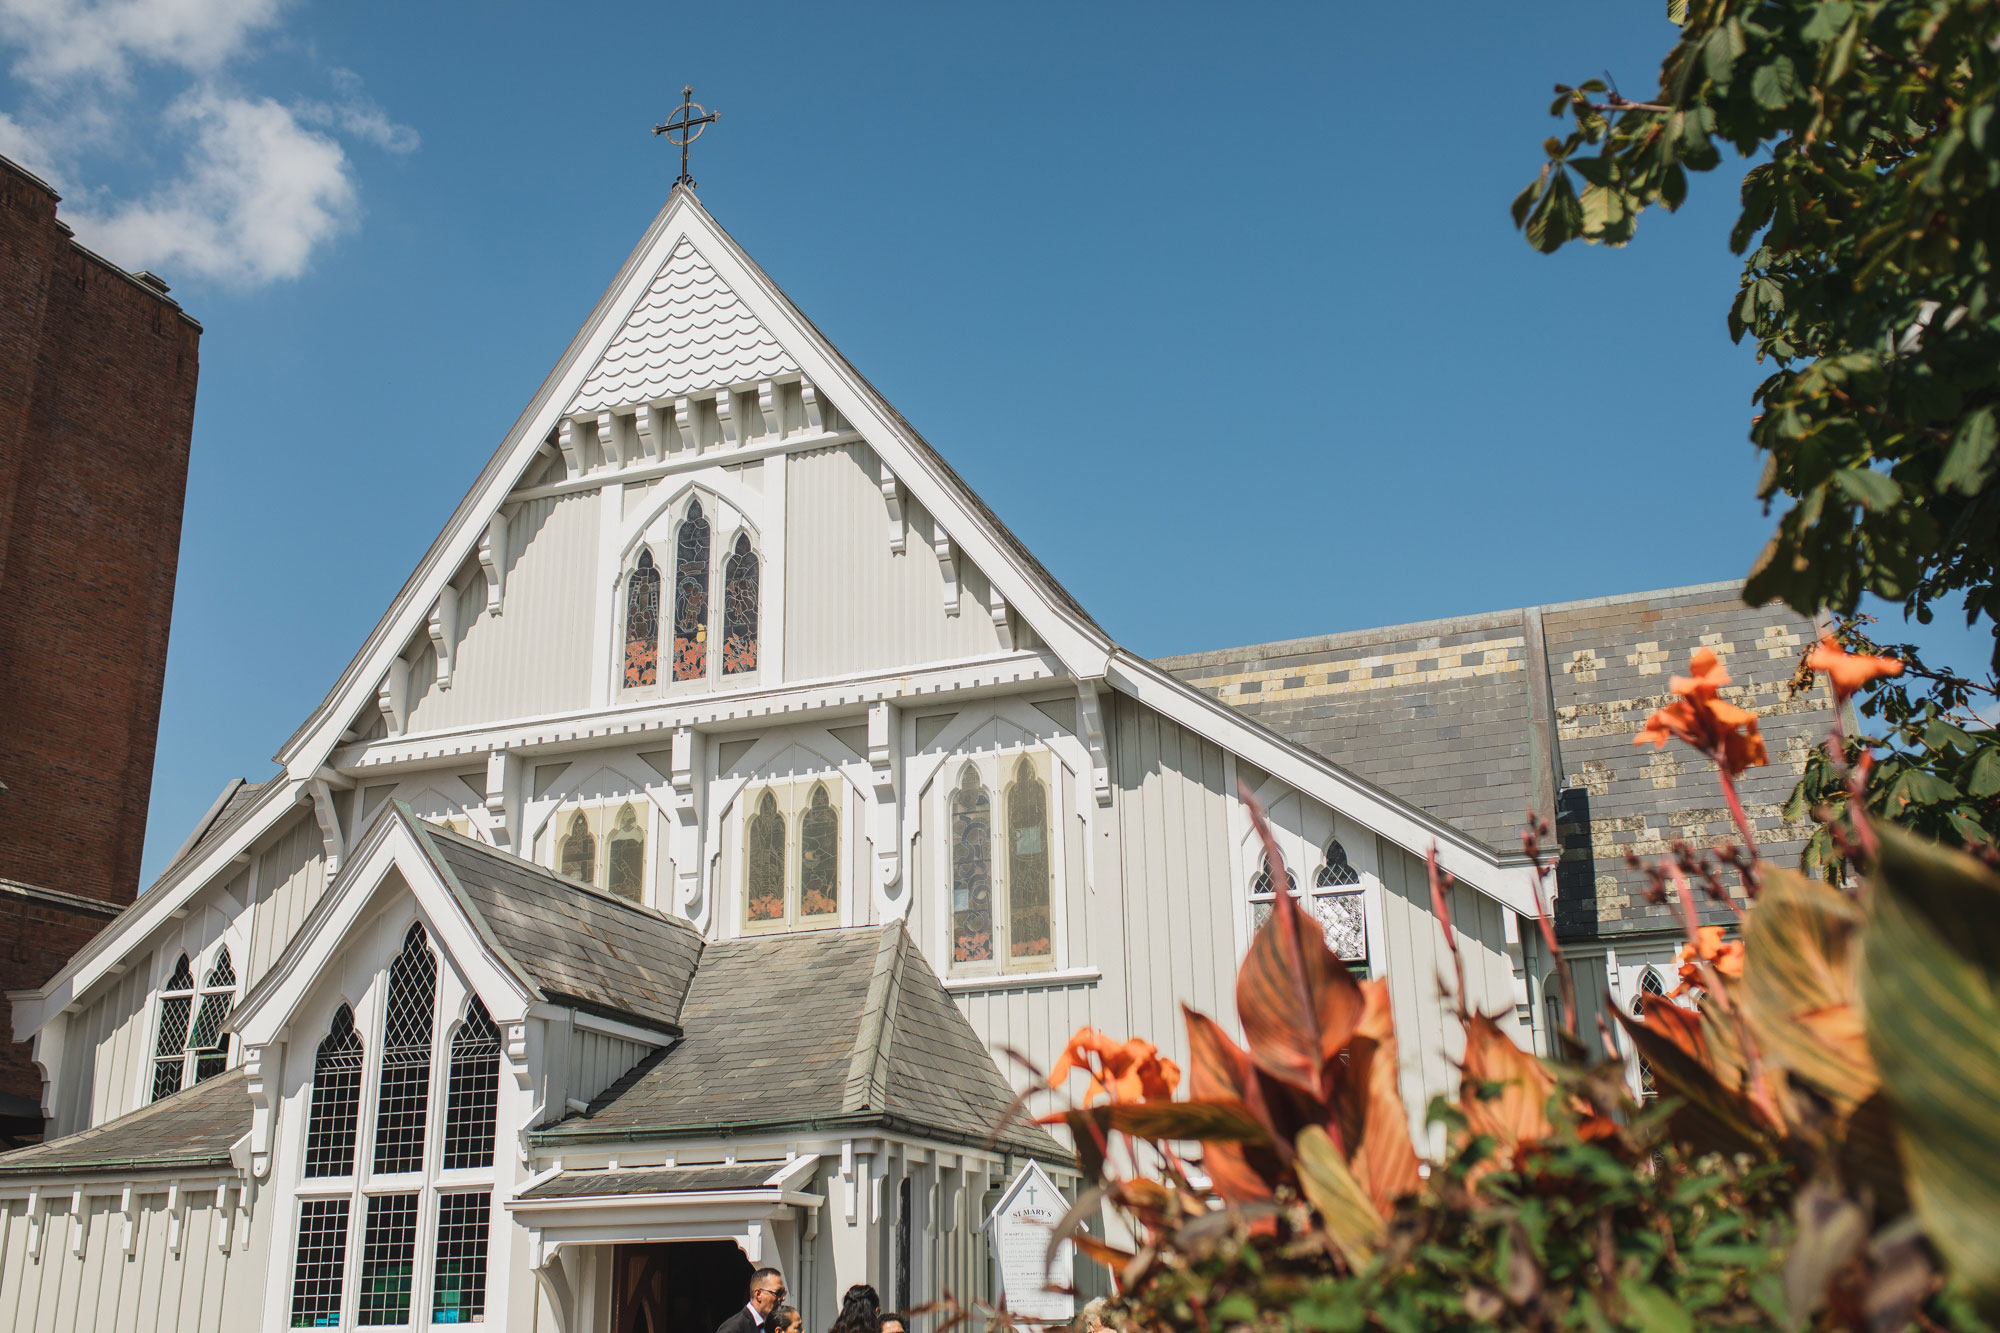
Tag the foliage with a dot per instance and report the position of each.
(1869, 222)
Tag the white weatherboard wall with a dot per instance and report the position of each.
(291, 875)
(535, 657)
(850, 604)
(107, 1052)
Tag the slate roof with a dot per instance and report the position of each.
(191, 1130)
(575, 944)
(656, 1180)
(824, 1028)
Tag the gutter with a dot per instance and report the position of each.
(557, 1139)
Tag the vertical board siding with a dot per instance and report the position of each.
(291, 874)
(597, 1061)
(850, 604)
(535, 657)
(106, 1044)
(108, 1291)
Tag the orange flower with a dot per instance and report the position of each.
(1719, 729)
(1849, 672)
(1128, 1072)
(1725, 956)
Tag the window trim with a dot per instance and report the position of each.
(793, 800)
(996, 771)
(1366, 886)
(201, 966)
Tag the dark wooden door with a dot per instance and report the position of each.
(678, 1287)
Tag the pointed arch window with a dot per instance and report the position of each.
(971, 870)
(336, 1101)
(473, 1091)
(625, 856)
(401, 1111)
(764, 860)
(170, 1046)
(1029, 928)
(642, 624)
(190, 1045)
(1335, 901)
(819, 856)
(577, 857)
(1649, 984)
(1334, 871)
(739, 609)
(691, 596)
(1262, 884)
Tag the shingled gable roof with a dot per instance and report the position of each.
(820, 1030)
(193, 1130)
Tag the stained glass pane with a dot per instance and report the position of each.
(971, 871)
(460, 1284)
(642, 624)
(739, 610)
(336, 1100)
(1340, 916)
(402, 1109)
(1027, 864)
(625, 875)
(691, 597)
(474, 1089)
(322, 1258)
(169, 1062)
(388, 1259)
(578, 857)
(1335, 871)
(764, 853)
(819, 856)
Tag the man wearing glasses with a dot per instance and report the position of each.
(767, 1288)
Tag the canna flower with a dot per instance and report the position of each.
(1125, 1072)
(1719, 729)
(1725, 956)
(1849, 672)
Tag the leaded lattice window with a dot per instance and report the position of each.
(320, 1264)
(473, 1090)
(971, 870)
(170, 1046)
(336, 1101)
(388, 1259)
(691, 596)
(577, 856)
(642, 624)
(1028, 878)
(208, 1044)
(739, 609)
(401, 1111)
(819, 856)
(1649, 984)
(625, 856)
(764, 862)
(1335, 902)
(458, 1283)
(1263, 882)
(1334, 871)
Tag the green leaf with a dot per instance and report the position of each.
(1969, 465)
(1351, 1220)
(1870, 489)
(1773, 85)
(1919, 788)
(1557, 218)
(1235, 1308)
(1930, 986)
(1985, 779)
(1719, 52)
(1652, 1310)
(1525, 200)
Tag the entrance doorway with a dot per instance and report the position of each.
(686, 1286)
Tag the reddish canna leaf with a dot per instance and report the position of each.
(1505, 1091)
(1220, 1121)
(1384, 1160)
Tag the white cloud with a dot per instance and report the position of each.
(258, 194)
(250, 186)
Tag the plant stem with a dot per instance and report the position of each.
(1751, 880)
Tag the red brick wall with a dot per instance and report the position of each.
(97, 385)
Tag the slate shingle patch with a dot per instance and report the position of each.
(191, 1130)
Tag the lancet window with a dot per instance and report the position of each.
(642, 623)
(792, 862)
(1649, 984)
(739, 609)
(372, 1256)
(1002, 887)
(190, 1044)
(691, 596)
(704, 580)
(1336, 902)
(971, 870)
(603, 843)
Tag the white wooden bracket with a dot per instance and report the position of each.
(493, 562)
(501, 769)
(331, 839)
(885, 813)
(767, 404)
(442, 626)
(257, 1082)
(1090, 721)
(225, 1219)
(79, 1221)
(571, 445)
(37, 1223)
(685, 837)
(815, 413)
(685, 423)
(947, 557)
(610, 440)
(1003, 618)
(725, 418)
(392, 696)
(650, 428)
(176, 1207)
(899, 521)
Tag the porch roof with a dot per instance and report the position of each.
(192, 1130)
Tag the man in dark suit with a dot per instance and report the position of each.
(767, 1288)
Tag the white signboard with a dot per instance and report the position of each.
(1018, 1229)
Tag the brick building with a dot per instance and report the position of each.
(97, 386)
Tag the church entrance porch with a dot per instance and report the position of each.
(678, 1286)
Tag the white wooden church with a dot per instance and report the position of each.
(649, 896)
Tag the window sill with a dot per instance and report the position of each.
(1074, 976)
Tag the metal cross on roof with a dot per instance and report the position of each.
(684, 127)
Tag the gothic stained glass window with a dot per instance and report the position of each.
(1649, 984)
(764, 857)
(208, 1041)
(819, 856)
(388, 1259)
(170, 1047)
(472, 1092)
(1028, 924)
(336, 1103)
(402, 1109)
(625, 869)
(1341, 920)
(739, 609)
(691, 596)
(578, 854)
(971, 870)
(1335, 871)
(642, 624)
(322, 1257)
(1261, 882)
(459, 1278)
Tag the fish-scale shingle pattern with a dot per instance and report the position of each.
(689, 334)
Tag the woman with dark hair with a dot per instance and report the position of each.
(860, 1311)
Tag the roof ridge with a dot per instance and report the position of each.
(868, 1062)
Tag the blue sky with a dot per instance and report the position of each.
(1221, 310)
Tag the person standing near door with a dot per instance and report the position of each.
(767, 1288)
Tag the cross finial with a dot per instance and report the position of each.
(684, 127)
